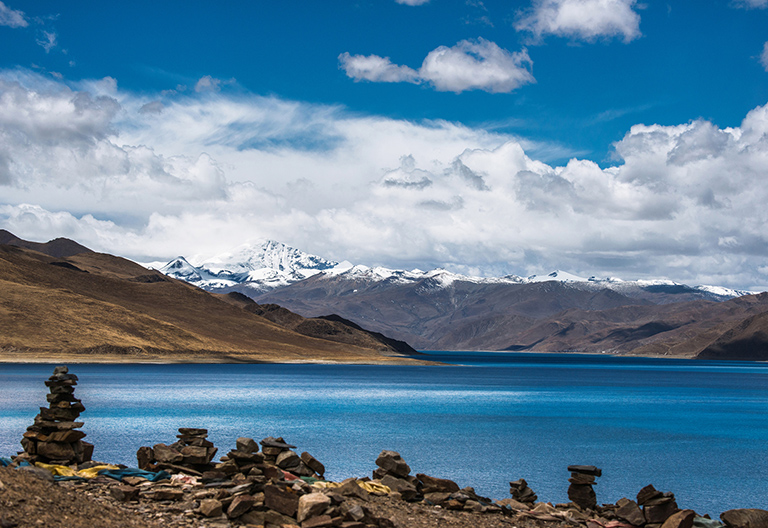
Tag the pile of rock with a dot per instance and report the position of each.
(279, 453)
(657, 506)
(394, 473)
(521, 492)
(580, 491)
(192, 453)
(54, 438)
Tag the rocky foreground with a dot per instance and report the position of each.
(267, 484)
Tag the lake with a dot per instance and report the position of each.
(696, 428)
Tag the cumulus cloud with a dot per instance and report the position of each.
(582, 19)
(469, 65)
(90, 162)
(12, 17)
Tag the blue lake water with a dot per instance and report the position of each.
(697, 428)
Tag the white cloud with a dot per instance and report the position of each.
(48, 41)
(91, 162)
(376, 69)
(12, 17)
(764, 56)
(469, 65)
(582, 19)
(758, 4)
(412, 2)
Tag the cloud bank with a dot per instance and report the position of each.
(469, 65)
(152, 177)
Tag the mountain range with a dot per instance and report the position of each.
(61, 301)
(441, 310)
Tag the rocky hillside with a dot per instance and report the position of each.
(90, 306)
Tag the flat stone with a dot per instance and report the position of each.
(433, 484)
(392, 462)
(192, 431)
(321, 521)
(240, 504)
(194, 455)
(278, 519)
(629, 511)
(124, 493)
(167, 454)
(253, 517)
(163, 494)
(436, 497)
(745, 518)
(313, 463)
(55, 450)
(353, 512)
(407, 490)
(282, 501)
(352, 489)
(276, 442)
(587, 470)
(68, 436)
(681, 519)
(210, 508)
(581, 479)
(513, 504)
(312, 505)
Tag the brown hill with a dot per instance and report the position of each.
(91, 306)
(58, 247)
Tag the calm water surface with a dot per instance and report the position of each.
(699, 429)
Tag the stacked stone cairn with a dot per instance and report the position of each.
(521, 492)
(192, 453)
(580, 491)
(54, 438)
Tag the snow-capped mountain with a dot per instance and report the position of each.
(257, 266)
(261, 266)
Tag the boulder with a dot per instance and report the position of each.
(745, 518)
(392, 462)
(239, 505)
(432, 484)
(629, 511)
(210, 508)
(247, 445)
(313, 464)
(281, 500)
(681, 519)
(124, 493)
(312, 505)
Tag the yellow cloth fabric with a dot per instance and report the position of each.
(66, 471)
(370, 486)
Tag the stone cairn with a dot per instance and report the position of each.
(54, 438)
(521, 492)
(192, 453)
(580, 491)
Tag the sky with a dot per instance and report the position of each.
(608, 138)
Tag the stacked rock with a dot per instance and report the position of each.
(521, 492)
(394, 473)
(245, 459)
(279, 453)
(54, 438)
(580, 491)
(657, 506)
(192, 453)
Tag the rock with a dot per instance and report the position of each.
(253, 517)
(351, 488)
(56, 451)
(144, 456)
(192, 431)
(647, 493)
(513, 504)
(660, 512)
(124, 493)
(745, 518)
(240, 504)
(282, 501)
(210, 508)
(163, 494)
(166, 454)
(406, 490)
(276, 442)
(581, 479)
(42, 474)
(681, 519)
(586, 470)
(392, 462)
(521, 492)
(436, 497)
(432, 484)
(321, 521)
(278, 519)
(313, 464)
(353, 512)
(287, 459)
(247, 445)
(583, 496)
(312, 505)
(629, 511)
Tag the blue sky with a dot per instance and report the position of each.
(604, 137)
